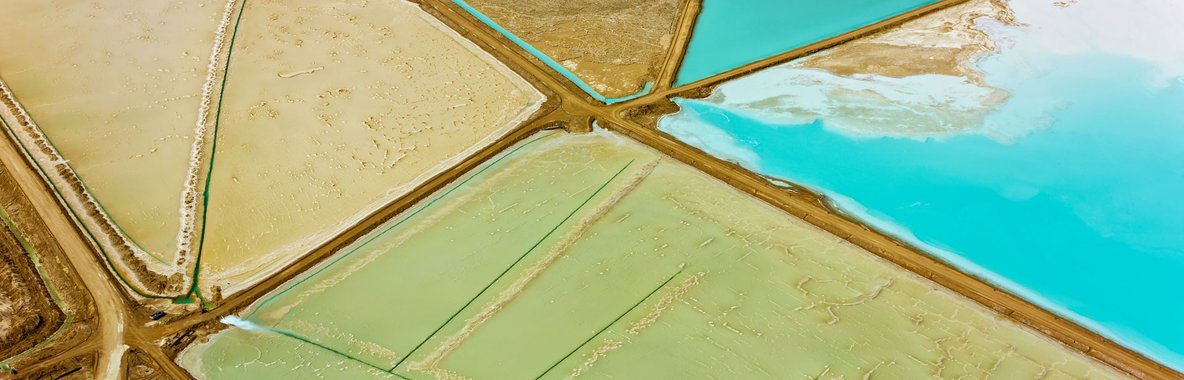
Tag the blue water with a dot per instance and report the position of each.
(1085, 216)
(731, 33)
(548, 60)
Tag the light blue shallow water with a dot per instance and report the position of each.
(731, 33)
(1085, 217)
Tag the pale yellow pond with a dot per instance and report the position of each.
(115, 85)
(332, 109)
(591, 255)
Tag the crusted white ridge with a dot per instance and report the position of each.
(62, 174)
(189, 194)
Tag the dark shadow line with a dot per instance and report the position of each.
(610, 324)
(377, 234)
(507, 270)
(339, 353)
(205, 194)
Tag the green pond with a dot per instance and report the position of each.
(591, 255)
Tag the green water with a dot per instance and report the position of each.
(256, 355)
(590, 255)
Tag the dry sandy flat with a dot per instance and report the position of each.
(115, 86)
(615, 46)
(332, 109)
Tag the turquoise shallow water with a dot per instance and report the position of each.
(731, 33)
(1082, 216)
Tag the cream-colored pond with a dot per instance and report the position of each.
(591, 255)
(332, 109)
(115, 86)
(329, 111)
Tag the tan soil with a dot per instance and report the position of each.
(137, 365)
(27, 313)
(80, 367)
(616, 46)
(63, 278)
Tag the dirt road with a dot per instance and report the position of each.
(111, 302)
(689, 13)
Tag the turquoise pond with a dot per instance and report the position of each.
(1083, 216)
(731, 33)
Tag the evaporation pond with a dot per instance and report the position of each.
(593, 255)
(372, 99)
(1065, 193)
(116, 88)
(732, 33)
